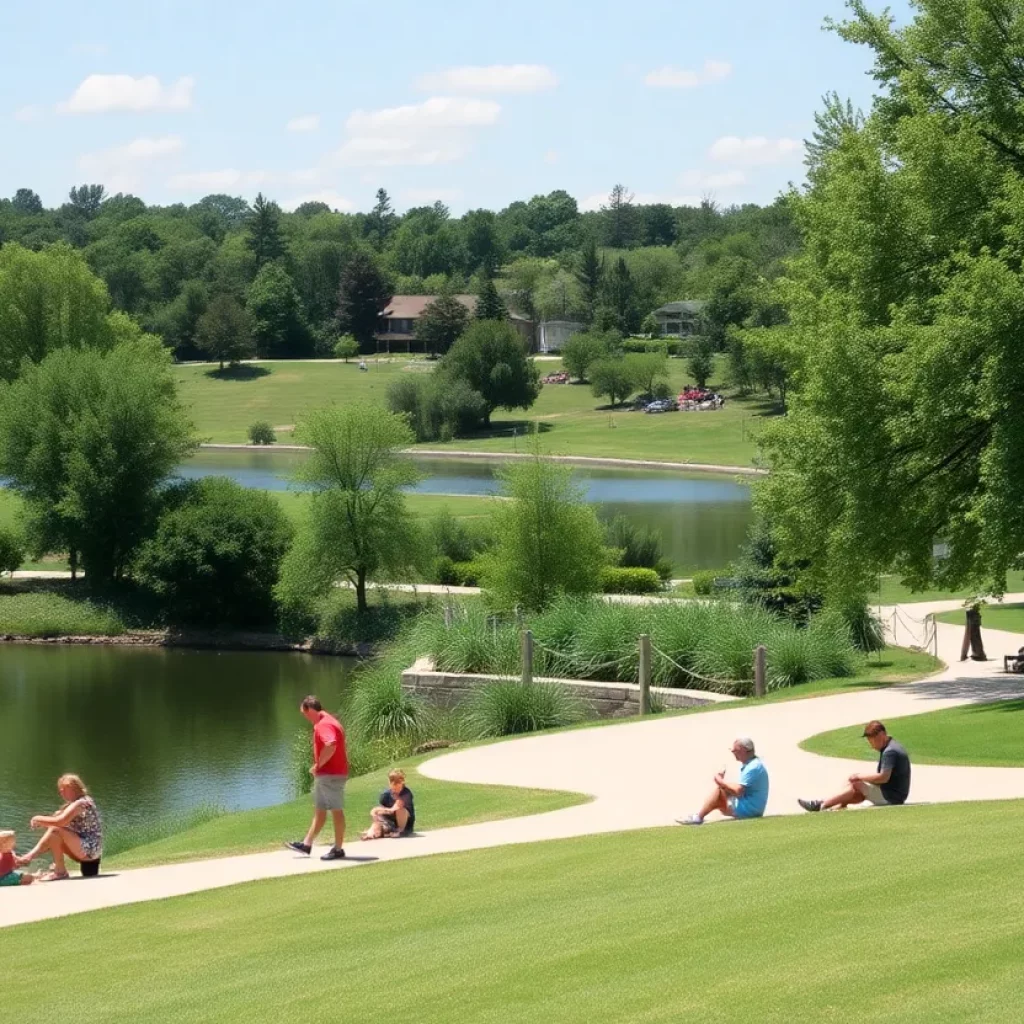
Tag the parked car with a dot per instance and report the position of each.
(662, 405)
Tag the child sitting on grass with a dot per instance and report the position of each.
(395, 815)
(8, 874)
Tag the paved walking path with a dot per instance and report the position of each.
(625, 768)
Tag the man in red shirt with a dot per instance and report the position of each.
(330, 773)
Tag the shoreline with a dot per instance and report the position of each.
(570, 460)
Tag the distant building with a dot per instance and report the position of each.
(553, 334)
(398, 322)
(679, 319)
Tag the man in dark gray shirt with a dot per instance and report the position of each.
(890, 784)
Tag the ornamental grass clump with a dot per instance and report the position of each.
(606, 645)
(381, 709)
(475, 642)
(677, 632)
(510, 708)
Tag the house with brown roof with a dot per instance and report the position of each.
(398, 322)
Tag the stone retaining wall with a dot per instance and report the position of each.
(606, 700)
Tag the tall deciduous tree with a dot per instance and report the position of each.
(27, 201)
(224, 332)
(612, 377)
(358, 527)
(265, 240)
(275, 314)
(549, 541)
(363, 296)
(87, 199)
(442, 323)
(582, 350)
(904, 426)
(87, 437)
(48, 300)
(491, 358)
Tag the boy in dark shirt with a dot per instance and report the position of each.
(395, 815)
(890, 784)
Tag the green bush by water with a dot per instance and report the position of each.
(617, 579)
(47, 614)
(510, 708)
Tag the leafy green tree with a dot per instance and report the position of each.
(648, 369)
(904, 428)
(358, 527)
(346, 347)
(559, 298)
(87, 438)
(613, 377)
(483, 242)
(216, 553)
(26, 201)
(87, 199)
(489, 305)
(590, 274)
(275, 314)
(650, 326)
(178, 322)
(48, 300)
(492, 359)
(364, 294)
(701, 361)
(223, 332)
(265, 239)
(582, 350)
(12, 550)
(442, 323)
(548, 538)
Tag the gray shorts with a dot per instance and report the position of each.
(329, 792)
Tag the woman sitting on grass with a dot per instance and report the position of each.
(75, 831)
(395, 815)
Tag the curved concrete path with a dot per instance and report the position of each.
(626, 768)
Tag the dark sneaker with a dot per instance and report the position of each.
(334, 854)
(299, 847)
(810, 805)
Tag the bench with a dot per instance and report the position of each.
(1013, 662)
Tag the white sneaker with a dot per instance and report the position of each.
(693, 819)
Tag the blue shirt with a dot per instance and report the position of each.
(754, 780)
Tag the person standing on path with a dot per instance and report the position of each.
(744, 799)
(330, 773)
(890, 784)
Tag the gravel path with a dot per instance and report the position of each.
(625, 768)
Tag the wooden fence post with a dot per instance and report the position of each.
(760, 669)
(527, 649)
(645, 674)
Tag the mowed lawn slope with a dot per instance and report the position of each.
(571, 420)
(988, 735)
(905, 916)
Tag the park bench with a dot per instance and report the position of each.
(1013, 662)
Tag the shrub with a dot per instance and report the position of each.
(509, 708)
(704, 582)
(381, 709)
(12, 551)
(866, 630)
(262, 432)
(638, 547)
(346, 347)
(629, 580)
(216, 553)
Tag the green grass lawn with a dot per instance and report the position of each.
(892, 591)
(862, 917)
(48, 612)
(568, 416)
(976, 734)
(1009, 617)
(438, 805)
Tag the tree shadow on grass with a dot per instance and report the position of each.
(507, 429)
(242, 372)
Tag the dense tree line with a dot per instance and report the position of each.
(223, 279)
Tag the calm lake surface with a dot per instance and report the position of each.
(702, 519)
(153, 731)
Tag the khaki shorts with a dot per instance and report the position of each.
(329, 792)
(871, 793)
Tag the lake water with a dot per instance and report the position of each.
(702, 519)
(153, 731)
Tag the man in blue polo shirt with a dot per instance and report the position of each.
(744, 799)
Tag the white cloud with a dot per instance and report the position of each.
(26, 114)
(306, 123)
(494, 78)
(121, 167)
(755, 150)
(99, 94)
(682, 78)
(436, 131)
(327, 195)
(594, 202)
(702, 179)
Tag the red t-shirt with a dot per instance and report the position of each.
(7, 864)
(328, 730)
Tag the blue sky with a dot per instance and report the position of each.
(475, 104)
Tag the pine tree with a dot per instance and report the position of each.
(590, 276)
(489, 304)
(265, 239)
(364, 294)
